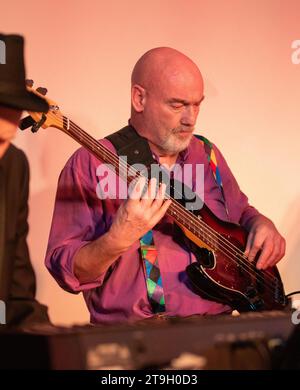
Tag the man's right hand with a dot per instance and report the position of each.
(140, 212)
(135, 217)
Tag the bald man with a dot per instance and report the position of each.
(94, 244)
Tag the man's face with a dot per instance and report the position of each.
(9, 120)
(171, 110)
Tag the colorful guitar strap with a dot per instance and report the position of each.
(149, 252)
(212, 159)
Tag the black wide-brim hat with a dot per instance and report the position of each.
(13, 91)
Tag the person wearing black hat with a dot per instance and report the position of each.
(17, 278)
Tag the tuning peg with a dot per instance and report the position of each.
(29, 83)
(37, 125)
(26, 122)
(42, 90)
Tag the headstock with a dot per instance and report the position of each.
(53, 118)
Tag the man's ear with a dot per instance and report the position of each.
(138, 97)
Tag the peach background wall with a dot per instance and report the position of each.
(83, 52)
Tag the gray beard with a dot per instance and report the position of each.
(174, 145)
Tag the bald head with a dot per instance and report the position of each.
(166, 92)
(162, 63)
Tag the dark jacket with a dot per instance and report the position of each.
(17, 278)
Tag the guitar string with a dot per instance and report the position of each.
(83, 135)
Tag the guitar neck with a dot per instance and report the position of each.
(98, 150)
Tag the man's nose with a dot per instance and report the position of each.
(189, 115)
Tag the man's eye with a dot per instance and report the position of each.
(177, 105)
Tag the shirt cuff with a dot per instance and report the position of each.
(61, 265)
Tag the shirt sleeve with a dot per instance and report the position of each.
(240, 211)
(77, 220)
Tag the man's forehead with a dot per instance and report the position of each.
(181, 87)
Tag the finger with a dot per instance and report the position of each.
(256, 246)
(266, 252)
(160, 196)
(274, 256)
(136, 188)
(282, 248)
(277, 254)
(249, 244)
(149, 195)
(161, 212)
